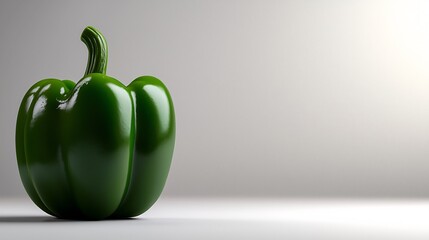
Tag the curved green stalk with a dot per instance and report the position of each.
(97, 50)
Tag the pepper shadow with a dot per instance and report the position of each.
(41, 219)
(28, 219)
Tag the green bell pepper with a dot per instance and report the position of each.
(95, 149)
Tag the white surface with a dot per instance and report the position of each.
(232, 219)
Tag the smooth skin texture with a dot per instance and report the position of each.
(96, 149)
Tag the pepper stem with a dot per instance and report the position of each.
(97, 50)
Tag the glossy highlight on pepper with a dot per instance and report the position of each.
(96, 149)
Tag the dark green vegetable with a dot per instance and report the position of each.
(96, 149)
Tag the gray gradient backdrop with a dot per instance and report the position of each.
(273, 98)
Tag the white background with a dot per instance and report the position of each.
(273, 98)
